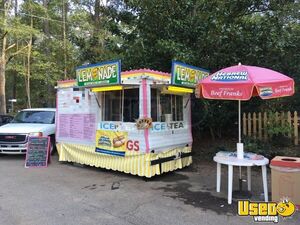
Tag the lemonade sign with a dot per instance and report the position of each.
(187, 75)
(105, 73)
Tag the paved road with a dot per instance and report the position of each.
(67, 194)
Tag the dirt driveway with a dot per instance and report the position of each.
(67, 194)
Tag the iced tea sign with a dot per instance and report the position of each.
(105, 73)
(187, 75)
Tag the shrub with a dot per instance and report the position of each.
(278, 131)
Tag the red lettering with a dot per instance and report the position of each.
(136, 146)
(133, 145)
(129, 145)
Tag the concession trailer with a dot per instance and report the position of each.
(137, 121)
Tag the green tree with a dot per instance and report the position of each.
(211, 34)
(14, 35)
(52, 56)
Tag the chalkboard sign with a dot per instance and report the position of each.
(37, 152)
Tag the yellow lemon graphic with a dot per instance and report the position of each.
(94, 73)
(286, 208)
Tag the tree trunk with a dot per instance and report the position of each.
(47, 33)
(15, 74)
(64, 16)
(2, 76)
(96, 20)
(97, 15)
(2, 87)
(6, 7)
(212, 133)
(46, 21)
(16, 7)
(211, 130)
(28, 66)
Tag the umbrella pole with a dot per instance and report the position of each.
(239, 145)
(240, 132)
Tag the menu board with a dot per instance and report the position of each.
(37, 152)
(77, 127)
(76, 116)
(71, 101)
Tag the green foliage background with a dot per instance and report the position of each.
(149, 34)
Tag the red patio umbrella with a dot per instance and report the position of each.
(240, 83)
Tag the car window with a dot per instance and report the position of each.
(7, 119)
(46, 117)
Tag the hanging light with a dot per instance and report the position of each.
(108, 88)
(175, 89)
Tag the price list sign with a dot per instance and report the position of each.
(37, 152)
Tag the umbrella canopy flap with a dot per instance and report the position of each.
(242, 82)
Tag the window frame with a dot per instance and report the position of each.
(102, 110)
(159, 106)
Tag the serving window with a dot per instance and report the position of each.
(166, 107)
(120, 105)
(112, 105)
(130, 105)
(124, 105)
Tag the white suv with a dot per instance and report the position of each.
(28, 122)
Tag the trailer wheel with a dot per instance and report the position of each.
(52, 145)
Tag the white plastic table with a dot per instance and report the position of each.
(233, 161)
